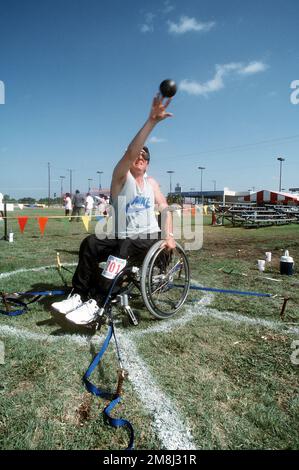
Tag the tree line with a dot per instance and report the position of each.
(31, 200)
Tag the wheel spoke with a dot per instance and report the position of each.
(163, 295)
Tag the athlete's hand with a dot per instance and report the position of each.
(158, 110)
(169, 243)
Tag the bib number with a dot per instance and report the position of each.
(113, 266)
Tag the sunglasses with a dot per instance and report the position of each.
(143, 155)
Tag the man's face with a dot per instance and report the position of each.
(141, 163)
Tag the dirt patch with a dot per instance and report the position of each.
(22, 387)
(84, 410)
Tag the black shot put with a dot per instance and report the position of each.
(168, 88)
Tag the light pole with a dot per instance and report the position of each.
(61, 186)
(201, 168)
(280, 159)
(100, 186)
(49, 184)
(71, 180)
(170, 172)
(89, 180)
(214, 181)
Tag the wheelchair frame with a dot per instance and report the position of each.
(163, 281)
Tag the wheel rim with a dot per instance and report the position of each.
(167, 281)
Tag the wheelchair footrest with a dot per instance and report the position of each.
(131, 314)
(124, 303)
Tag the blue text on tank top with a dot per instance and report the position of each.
(139, 203)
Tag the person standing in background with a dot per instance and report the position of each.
(89, 202)
(78, 204)
(67, 204)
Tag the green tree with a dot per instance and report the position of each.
(26, 200)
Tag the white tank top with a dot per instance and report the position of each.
(134, 209)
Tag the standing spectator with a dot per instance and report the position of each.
(67, 204)
(88, 204)
(101, 207)
(106, 209)
(78, 204)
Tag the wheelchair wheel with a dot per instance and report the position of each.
(165, 280)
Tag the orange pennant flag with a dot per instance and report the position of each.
(22, 223)
(42, 222)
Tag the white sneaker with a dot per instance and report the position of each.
(84, 314)
(68, 305)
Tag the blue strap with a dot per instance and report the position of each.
(90, 386)
(119, 422)
(227, 291)
(115, 422)
(14, 313)
(41, 293)
(16, 301)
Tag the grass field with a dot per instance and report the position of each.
(218, 375)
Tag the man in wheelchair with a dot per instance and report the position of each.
(134, 196)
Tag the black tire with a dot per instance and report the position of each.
(165, 280)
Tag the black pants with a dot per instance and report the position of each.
(76, 212)
(93, 251)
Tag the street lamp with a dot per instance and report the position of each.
(170, 172)
(49, 184)
(89, 180)
(201, 168)
(61, 186)
(100, 186)
(280, 159)
(71, 180)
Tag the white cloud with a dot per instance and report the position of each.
(148, 25)
(187, 24)
(217, 82)
(253, 67)
(145, 28)
(156, 140)
(167, 7)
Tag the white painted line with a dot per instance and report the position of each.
(237, 318)
(172, 431)
(165, 326)
(174, 434)
(22, 333)
(25, 270)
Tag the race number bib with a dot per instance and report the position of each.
(113, 266)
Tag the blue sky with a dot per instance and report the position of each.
(80, 75)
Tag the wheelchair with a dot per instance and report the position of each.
(162, 281)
